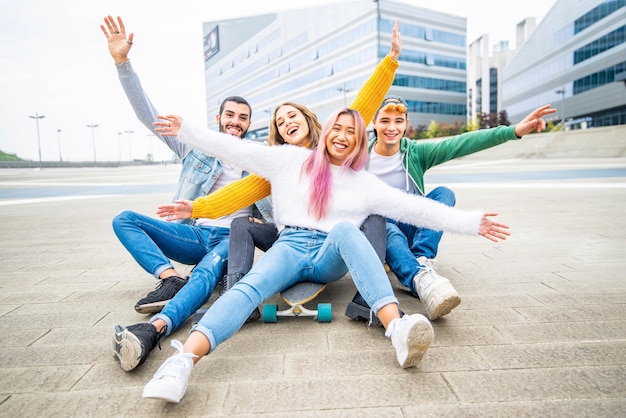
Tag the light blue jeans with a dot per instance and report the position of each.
(300, 255)
(153, 243)
(407, 242)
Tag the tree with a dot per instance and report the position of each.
(503, 118)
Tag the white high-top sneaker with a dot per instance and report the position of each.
(436, 292)
(411, 336)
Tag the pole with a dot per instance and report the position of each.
(37, 117)
(59, 141)
(119, 147)
(345, 91)
(130, 150)
(561, 91)
(93, 140)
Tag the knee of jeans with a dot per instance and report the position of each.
(121, 218)
(444, 195)
(240, 223)
(344, 228)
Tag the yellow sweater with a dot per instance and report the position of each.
(252, 188)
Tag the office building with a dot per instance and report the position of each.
(321, 56)
(576, 60)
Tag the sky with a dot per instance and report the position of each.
(55, 62)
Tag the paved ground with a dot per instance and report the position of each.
(540, 331)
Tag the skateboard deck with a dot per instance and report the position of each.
(296, 296)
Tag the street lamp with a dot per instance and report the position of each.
(119, 147)
(561, 91)
(345, 90)
(37, 117)
(130, 150)
(151, 149)
(59, 141)
(93, 140)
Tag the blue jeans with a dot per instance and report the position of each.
(300, 255)
(407, 242)
(153, 242)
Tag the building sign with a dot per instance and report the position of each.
(211, 43)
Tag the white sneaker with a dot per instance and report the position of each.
(411, 336)
(436, 292)
(170, 381)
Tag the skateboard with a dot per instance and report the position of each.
(296, 296)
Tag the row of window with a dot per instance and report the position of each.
(598, 79)
(430, 83)
(608, 41)
(597, 14)
(420, 32)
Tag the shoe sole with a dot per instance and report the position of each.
(126, 348)
(151, 308)
(442, 301)
(158, 392)
(420, 338)
(361, 313)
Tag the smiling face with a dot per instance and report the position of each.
(390, 125)
(235, 119)
(341, 140)
(292, 126)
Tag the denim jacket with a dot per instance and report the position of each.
(199, 171)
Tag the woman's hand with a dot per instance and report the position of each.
(180, 209)
(168, 125)
(491, 230)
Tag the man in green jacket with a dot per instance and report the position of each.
(402, 163)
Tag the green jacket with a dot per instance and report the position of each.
(419, 156)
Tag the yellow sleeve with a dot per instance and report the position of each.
(373, 92)
(229, 199)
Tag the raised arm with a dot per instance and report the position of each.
(373, 92)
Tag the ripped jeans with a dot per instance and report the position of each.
(153, 243)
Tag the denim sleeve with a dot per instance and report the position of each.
(144, 110)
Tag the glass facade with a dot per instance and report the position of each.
(311, 56)
(572, 60)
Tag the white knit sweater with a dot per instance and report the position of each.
(355, 194)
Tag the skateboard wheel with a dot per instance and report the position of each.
(324, 312)
(269, 313)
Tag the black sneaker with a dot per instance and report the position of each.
(156, 300)
(359, 309)
(132, 344)
(227, 282)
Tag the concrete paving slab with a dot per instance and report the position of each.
(540, 330)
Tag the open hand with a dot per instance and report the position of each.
(168, 125)
(119, 43)
(180, 209)
(491, 230)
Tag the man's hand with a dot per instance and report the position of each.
(119, 44)
(534, 121)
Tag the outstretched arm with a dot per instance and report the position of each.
(119, 44)
(534, 121)
(373, 92)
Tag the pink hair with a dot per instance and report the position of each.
(317, 165)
